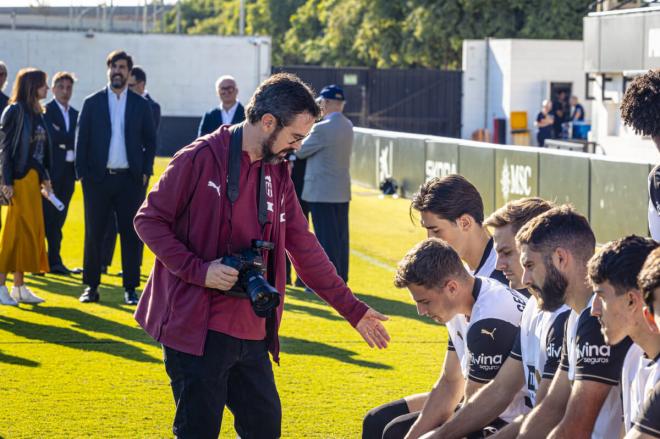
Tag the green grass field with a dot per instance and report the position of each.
(69, 370)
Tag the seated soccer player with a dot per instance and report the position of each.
(619, 307)
(482, 317)
(584, 398)
(535, 356)
(647, 423)
(451, 209)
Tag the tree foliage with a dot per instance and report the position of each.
(381, 33)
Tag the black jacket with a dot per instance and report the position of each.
(213, 119)
(61, 139)
(155, 110)
(4, 100)
(95, 130)
(14, 163)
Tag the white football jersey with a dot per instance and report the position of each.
(539, 344)
(638, 377)
(587, 357)
(484, 342)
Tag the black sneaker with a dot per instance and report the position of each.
(91, 295)
(130, 297)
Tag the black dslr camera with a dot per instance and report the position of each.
(251, 283)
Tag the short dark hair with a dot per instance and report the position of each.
(63, 76)
(620, 261)
(517, 213)
(449, 197)
(283, 95)
(139, 74)
(117, 55)
(429, 264)
(648, 279)
(560, 226)
(640, 107)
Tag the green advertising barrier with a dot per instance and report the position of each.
(564, 178)
(619, 199)
(516, 174)
(475, 162)
(441, 158)
(408, 164)
(363, 160)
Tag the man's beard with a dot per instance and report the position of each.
(117, 81)
(267, 149)
(553, 292)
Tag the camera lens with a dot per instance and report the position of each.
(262, 295)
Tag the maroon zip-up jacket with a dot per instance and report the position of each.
(180, 222)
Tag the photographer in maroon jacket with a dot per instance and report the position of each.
(219, 221)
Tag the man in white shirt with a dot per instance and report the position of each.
(482, 317)
(619, 307)
(62, 121)
(534, 358)
(115, 150)
(230, 111)
(583, 399)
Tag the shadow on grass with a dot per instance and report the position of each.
(10, 359)
(112, 296)
(93, 323)
(73, 339)
(388, 307)
(299, 346)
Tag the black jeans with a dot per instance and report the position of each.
(331, 229)
(232, 372)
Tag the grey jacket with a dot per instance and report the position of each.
(328, 153)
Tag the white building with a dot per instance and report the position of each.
(505, 75)
(619, 45)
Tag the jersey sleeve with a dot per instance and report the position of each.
(450, 344)
(516, 350)
(648, 421)
(489, 342)
(554, 344)
(598, 361)
(563, 361)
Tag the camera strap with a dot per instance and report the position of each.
(234, 174)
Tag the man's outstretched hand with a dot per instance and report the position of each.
(372, 330)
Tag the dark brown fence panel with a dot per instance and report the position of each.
(422, 101)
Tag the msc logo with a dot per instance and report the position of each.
(592, 353)
(515, 180)
(439, 169)
(486, 362)
(553, 352)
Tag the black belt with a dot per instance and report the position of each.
(117, 171)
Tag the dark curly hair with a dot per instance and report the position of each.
(640, 108)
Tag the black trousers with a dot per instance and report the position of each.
(123, 195)
(109, 242)
(232, 372)
(331, 228)
(53, 218)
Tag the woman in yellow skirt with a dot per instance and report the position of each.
(25, 155)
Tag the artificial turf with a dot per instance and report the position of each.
(69, 370)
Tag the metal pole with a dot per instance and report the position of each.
(241, 22)
(178, 17)
(145, 11)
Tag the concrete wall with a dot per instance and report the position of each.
(519, 75)
(181, 70)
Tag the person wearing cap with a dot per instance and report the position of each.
(327, 188)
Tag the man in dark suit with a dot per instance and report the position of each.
(115, 149)
(137, 82)
(61, 119)
(4, 99)
(229, 112)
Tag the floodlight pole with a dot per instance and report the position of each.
(241, 20)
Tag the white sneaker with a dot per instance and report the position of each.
(5, 298)
(23, 294)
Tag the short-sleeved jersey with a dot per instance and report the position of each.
(586, 357)
(483, 342)
(648, 421)
(638, 377)
(539, 345)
